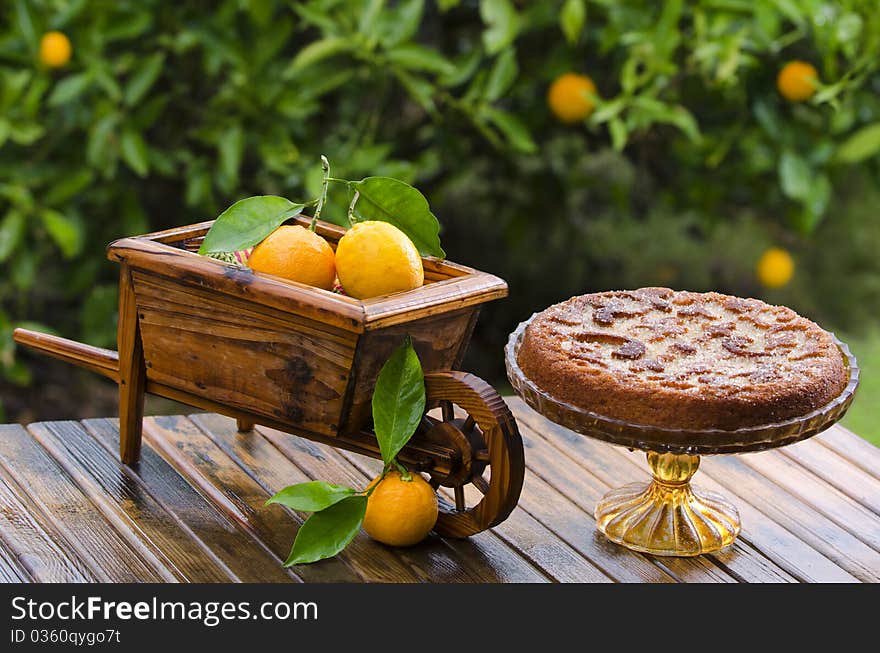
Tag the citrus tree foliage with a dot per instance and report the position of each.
(167, 112)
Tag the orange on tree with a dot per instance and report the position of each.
(376, 258)
(297, 254)
(797, 81)
(569, 97)
(55, 49)
(400, 512)
(775, 268)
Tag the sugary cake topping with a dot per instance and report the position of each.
(667, 357)
(691, 339)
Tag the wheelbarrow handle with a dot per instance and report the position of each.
(96, 359)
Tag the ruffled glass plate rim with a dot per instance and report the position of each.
(678, 440)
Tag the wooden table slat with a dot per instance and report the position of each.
(126, 504)
(194, 509)
(11, 569)
(585, 489)
(838, 472)
(484, 556)
(88, 534)
(273, 472)
(844, 511)
(245, 557)
(789, 555)
(33, 543)
(856, 450)
(234, 492)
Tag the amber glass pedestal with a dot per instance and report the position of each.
(669, 516)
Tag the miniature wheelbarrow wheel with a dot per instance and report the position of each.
(479, 425)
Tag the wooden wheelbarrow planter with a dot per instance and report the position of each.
(305, 361)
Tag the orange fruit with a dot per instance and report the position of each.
(797, 81)
(569, 97)
(55, 49)
(400, 512)
(376, 258)
(775, 268)
(297, 254)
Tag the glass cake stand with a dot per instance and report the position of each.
(668, 516)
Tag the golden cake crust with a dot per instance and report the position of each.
(681, 359)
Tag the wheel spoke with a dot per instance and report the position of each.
(469, 424)
(448, 412)
(481, 484)
(459, 498)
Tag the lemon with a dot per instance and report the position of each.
(775, 268)
(797, 81)
(569, 97)
(296, 254)
(55, 49)
(400, 512)
(376, 258)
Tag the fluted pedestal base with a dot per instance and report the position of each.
(668, 517)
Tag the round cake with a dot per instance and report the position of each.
(681, 359)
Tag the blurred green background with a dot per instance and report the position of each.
(690, 167)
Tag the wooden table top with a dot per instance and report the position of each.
(193, 510)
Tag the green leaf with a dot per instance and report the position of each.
(794, 176)
(465, 67)
(69, 89)
(144, 78)
(11, 233)
(328, 532)
(502, 24)
(25, 23)
(394, 201)
(619, 133)
(67, 233)
(247, 222)
(370, 16)
(502, 75)
(317, 51)
(67, 186)
(312, 496)
(231, 149)
(400, 23)
(421, 90)
(27, 133)
(515, 132)
(134, 152)
(862, 145)
(572, 19)
(398, 400)
(417, 57)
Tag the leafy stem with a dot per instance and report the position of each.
(325, 166)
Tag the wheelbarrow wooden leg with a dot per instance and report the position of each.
(132, 373)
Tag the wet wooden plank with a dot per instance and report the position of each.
(764, 549)
(571, 523)
(244, 556)
(837, 471)
(11, 570)
(788, 511)
(848, 514)
(484, 555)
(273, 471)
(582, 484)
(33, 544)
(856, 450)
(144, 523)
(522, 534)
(86, 532)
(232, 490)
